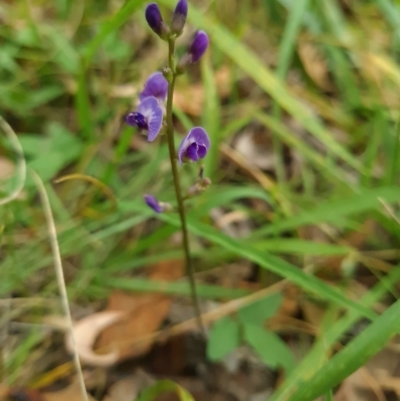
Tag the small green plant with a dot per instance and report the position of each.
(248, 327)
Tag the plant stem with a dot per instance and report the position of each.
(177, 185)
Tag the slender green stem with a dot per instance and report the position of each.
(178, 190)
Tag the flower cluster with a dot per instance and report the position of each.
(149, 114)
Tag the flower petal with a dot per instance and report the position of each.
(191, 152)
(135, 119)
(201, 151)
(182, 149)
(200, 136)
(148, 106)
(195, 145)
(156, 86)
(155, 123)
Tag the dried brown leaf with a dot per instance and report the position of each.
(144, 313)
(360, 386)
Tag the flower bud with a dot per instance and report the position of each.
(156, 22)
(179, 17)
(153, 203)
(194, 53)
(198, 46)
(156, 205)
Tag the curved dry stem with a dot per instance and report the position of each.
(21, 163)
(60, 276)
(103, 187)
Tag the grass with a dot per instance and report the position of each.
(69, 73)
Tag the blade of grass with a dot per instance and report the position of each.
(82, 96)
(379, 124)
(286, 136)
(211, 117)
(331, 211)
(109, 27)
(21, 163)
(83, 107)
(271, 263)
(181, 288)
(392, 14)
(352, 357)
(315, 358)
(286, 51)
(251, 64)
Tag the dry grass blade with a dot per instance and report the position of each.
(60, 276)
(21, 171)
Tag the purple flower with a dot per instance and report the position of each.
(194, 146)
(153, 203)
(155, 21)
(156, 86)
(149, 117)
(179, 17)
(198, 46)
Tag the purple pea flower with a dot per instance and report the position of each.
(194, 146)
(153, 203)
(149, 117)
(198, 46)
(179, 17)
(155, 21)
(156, 86)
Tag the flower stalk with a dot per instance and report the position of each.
(177, 185)
(149, 117)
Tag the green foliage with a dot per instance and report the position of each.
(161, 387)
(258, 312)
(228, 333)
(273, 351)
(70, 72)
(47, 155)
(224, 338)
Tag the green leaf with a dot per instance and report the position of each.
(224, 338)
(273, 351)
(352, 357)
(161, 387)
(257, 312)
